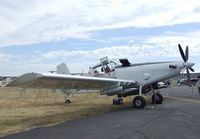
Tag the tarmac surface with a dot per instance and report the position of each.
(178, 117)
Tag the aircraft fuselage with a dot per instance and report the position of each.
(148, 73)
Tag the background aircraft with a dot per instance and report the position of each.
(110, 78)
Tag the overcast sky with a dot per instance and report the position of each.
(36, 35)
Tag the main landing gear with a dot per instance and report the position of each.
(157, 98)
(139, 101)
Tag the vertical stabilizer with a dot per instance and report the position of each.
(62, 69)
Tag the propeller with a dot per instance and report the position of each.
(185, 57)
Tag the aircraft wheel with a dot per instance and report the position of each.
(67, 101)
(139, 102)
(157, 98)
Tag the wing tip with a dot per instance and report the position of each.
(23, 79)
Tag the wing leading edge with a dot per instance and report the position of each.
(57, 81)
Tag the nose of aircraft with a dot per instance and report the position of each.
(189, 64)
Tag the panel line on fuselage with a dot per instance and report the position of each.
(147, 63)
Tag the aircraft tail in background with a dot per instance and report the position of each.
(62, 69)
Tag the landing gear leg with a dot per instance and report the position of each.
(139, 101)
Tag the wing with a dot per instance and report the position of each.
(53, 81)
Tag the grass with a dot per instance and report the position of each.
(21, 111)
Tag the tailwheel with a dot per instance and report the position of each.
(67, 101)
(139, 102)
(157, 98)
(67, 98)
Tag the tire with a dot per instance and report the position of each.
(157, 98)
(160, 100)
(139, 102)
(67, 101)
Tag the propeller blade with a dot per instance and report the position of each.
(181, 52)
(186, 53)
(188, 76)
(191, 69)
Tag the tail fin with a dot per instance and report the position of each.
(62, 69)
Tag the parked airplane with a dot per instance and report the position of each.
(123, 79)
(61, 69)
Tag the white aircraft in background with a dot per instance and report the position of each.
(61, 69)
(123, 79)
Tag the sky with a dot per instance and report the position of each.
(36, 36)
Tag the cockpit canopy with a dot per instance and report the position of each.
(105, 66)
